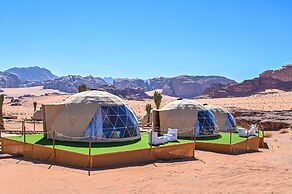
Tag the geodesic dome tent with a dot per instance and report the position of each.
(185, 115)
(225, 120)
(98, 114)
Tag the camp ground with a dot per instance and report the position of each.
(96, 129)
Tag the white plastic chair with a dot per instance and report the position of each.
(252, 130)
(242, 132)
(153, 137)
(171, 134)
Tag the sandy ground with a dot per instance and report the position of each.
(268, 100)
(267, 171)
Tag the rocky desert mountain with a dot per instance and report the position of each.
(32, 73)
(181, 86)
(185, 86)
(192, 86)
(108, 80)
(271, 79)
(70, 83)
(9, 80)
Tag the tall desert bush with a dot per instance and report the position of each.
(157, 99)
(148, 110)
(82, 88)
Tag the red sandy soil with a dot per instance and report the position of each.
(267, 171)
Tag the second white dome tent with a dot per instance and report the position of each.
(185, 116)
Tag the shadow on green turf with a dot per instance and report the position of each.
(47, 142)
(203, 138)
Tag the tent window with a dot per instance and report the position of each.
(117, 122)
(206, 122)
(230, 122)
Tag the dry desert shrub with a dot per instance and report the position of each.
(268, 134)
(283, 131)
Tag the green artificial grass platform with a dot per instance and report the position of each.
(109, 147)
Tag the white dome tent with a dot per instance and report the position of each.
(185, 115)
(96, 114)
(225, 121)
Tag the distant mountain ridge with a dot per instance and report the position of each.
(32, 73)
(186, 86)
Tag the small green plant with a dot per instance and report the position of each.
(34, 106)
(148, 110)
(82, 88)
(157, 99)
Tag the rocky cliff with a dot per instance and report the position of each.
(278, 79)
(126, 93)
(9, 80)
(268, 120)
(122, 83)
(283, 74)
(70, 83)
(32, 73)
(191, 86)
(180, 86)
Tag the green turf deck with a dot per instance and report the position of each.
(101, 148)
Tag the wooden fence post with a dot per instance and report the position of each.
(34, 125)
(89, 155)
(24, 132)
(194, 132)
(54, 140)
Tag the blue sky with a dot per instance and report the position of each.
(238, 39)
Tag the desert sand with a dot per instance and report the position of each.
(266, 171)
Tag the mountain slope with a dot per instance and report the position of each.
(70, 83)
(271, 79)
(32, 73)
(9, 80)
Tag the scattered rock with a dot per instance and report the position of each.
(27, 96)
(13, 100)
(10, 117)
(269, 120)
(16, 104)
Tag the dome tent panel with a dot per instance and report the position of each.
(224, 119)
(230, 123)
(183, 120)
(113, 125)
(71, 121)
(206, 123)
